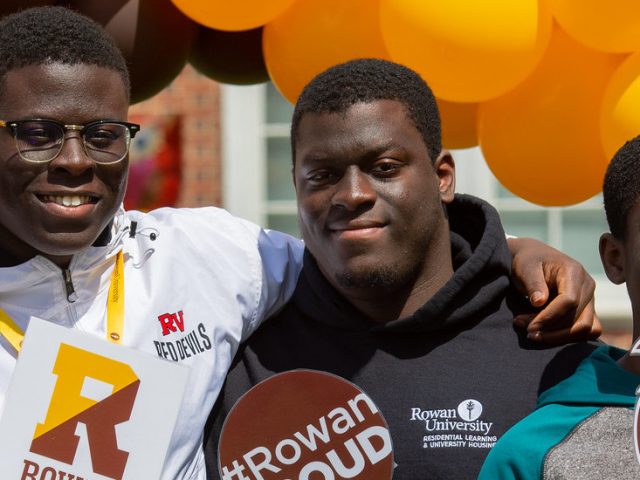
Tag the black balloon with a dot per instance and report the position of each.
(154, 37)
(12, 6)
(230, 57)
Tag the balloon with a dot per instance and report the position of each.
(620, 118)
(232, 15)
(312, 36)
(542, 139)
(12, 6)
(468, 51)
(459, 124)
(153, 36)
(230, 57)
(612, 26)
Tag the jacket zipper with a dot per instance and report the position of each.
(68, 285)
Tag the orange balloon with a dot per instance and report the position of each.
(459, 124)
(232, 15)
(612, 26)
(468, 51)
(312, 36)
(542, 139)
(620, 118)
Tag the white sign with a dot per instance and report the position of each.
(80, 408)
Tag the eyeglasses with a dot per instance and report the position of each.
(40, 141)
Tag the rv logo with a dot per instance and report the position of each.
(83, 376)
(171, 322)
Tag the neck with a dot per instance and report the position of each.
(630, 362)
(14, 251)
(385, 305)
(404, 297)
(13, 258)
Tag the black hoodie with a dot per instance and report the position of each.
(423, 370)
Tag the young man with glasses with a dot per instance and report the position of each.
(196, 281)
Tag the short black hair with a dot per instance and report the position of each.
(43, 35)
(621, 188)
(367, 80)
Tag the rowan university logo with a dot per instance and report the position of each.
(81, 408)
(96, 391)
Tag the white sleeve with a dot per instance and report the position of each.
(252, 271)
(280, 257)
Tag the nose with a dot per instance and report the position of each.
(73, 158)
(354, 190)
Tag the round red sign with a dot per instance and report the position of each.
(305, 425)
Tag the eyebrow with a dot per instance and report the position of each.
(371, 152)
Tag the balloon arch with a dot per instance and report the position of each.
(549, 89)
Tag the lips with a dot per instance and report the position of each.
(355, 225)
(357, 230)
(71, 206)
(68, 200)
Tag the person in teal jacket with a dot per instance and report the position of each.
(583, 427)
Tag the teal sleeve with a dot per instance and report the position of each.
(520, 453)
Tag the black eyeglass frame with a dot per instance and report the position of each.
(13, 126)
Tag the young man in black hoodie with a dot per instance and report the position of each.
(405, 287)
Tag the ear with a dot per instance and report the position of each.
(445, 169)
(612, 256)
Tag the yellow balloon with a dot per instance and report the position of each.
(467, 50)
(542, 139)
(611, 26)
(232, 15)
(314, 35)
(459, 124)
(620, 118)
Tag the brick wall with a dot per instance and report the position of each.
(196, 99)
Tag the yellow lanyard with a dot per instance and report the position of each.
(115, 311)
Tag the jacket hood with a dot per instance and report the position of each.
(481, 261)
(599, 380)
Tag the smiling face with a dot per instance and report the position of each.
(370, 199)
(59, 208)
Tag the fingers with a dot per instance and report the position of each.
(575, 286)
(560, 337)
(596, 329)
(560, 287)
(528, 269)
(585, 326)
(530, 281)
(560, 312)
(574, 292)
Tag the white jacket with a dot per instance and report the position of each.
(221, 274)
